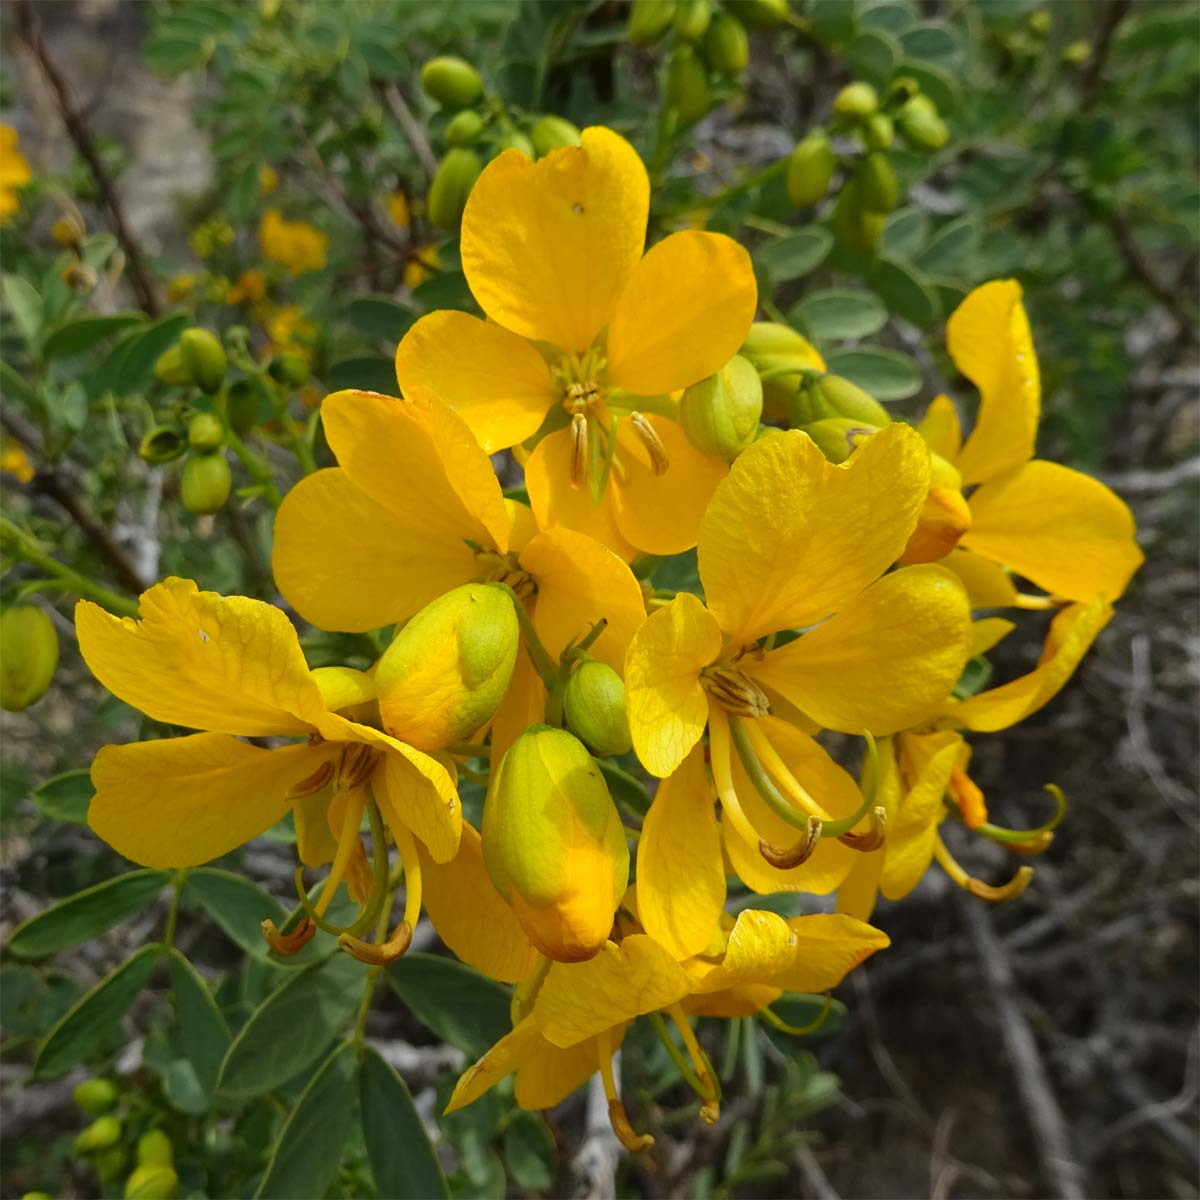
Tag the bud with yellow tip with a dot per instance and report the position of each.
(28, 656)
(649, 20)
(594, 706)
(720, 414)
(945, 516)
(856, 101)
(554, 845)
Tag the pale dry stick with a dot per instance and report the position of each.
(411, 127)
(943, 1171)
(595, 1162)
(814, 1176)
(1149, 482)
(1033, 931)
(1050, 1136)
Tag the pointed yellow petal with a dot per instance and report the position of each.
(522, 524)
(620, 983)
(1071, 634)
(941, 429)
(860, 889)
(501, 1060)
(668, 709)
(887, 661)
(989, 339)
(988, 584)
(547, 247)
(548, 1075)
(683, 315)
(524, 704)
(989, 632)
(761, 948)
(789, 538)
(470, 915)
(183, 801)
(223, 664)
(828, 947)
(1062, 529)
(497, 382)
(681, 875)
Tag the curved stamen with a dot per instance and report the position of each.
(985, 891)
(659, 461)
(291, 943)
(772, 761)
(618, 1118)
(579, 450)
(777, 1022)
(378, 954)
(1020, 840)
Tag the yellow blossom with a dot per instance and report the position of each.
(300, 247)
(396, 204)
(14, 173)
(251, 287)
(422, 265)
(268, 179)
(179, 286)
(16, 461)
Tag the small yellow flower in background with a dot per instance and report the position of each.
(179, 286)
(251, 287)
(16, 461)
(300, 247)
(290, 331)
(422, 265)
(14, 173)
(268, 179)
(554, 252)
(398, 210)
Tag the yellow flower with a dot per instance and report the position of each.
(14, 173)
(421, 265)
(179, 286)
(1059, 528)
(297, 245)
(397, 208)
(588, 335)
(268, 179)
(252, 286)
(16, 461)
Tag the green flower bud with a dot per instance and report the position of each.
(919, 123)
(37, 1196)
(833, 396)
(514, 139)
(28, 656)
(838, 437)
(594, 705)
(288, 369)
(243, 403)
(452, 82)
(452, 184)
(99, 1135)
(552, 133)
(780, 354)
(465, 128)
(687, 87)
(206, 482)
(152, 1183)
(726, 45)
(553, 843)
(161, 444)
(758, 14)
(1077, 53)
(810, 170)
(692, 18)
(877, 186)
(110, 1163)
(205, 432)
(1039, 22)
(170, 368)
(879, 131)
(856, 101)
(720, 414)
(96, 1096)
(447, 670)
(204, 357)
(154, 1149)
(903, 88)
(649, 20)
(857, 227)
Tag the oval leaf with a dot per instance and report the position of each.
(905, 293)
(66, 797)
(460, 1005)
(240, 908)
(83, 334)
(203, 1034)
(833, 316)
(790, 257)
(886, 374)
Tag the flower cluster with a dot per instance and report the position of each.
(844, 563)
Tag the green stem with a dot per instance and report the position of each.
(297, 442)
(678, 1058)
(178, 880)
(538, 654)
(257, 467)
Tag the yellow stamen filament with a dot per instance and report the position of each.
(618, 1118)
(710, 1110)
(1038, 603)
(288, 944)
(985, 891)
(773, 762)
(1032, 847)
(579, 450)
(401, 938)
(653, 443)
(348, 841)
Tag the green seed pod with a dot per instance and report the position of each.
(452, 82)
(515, 139)
(856, 101)
(451, 186)
(758, 14)
(594, 705)
(1038, 22)
(99, 1135)
(154, 1149)
(687, 87)
(152, 1183)
(552, 133)
(1077, 53)
(243, 405)
(110, 1163)
(204, 357)
(96, 1096)
(28, 656)
(692, 18)
(834, 396)
(553, 843)
(720, 414)
(920, 125)
(206, 482)
(37, 1196)
(288, 369)
(810, 170)
(465, 128)
(161, 444)
(170, 368)
(205, 432)
(649, 20)
(726, 45)
(858, 228)
(877, 185)
(879, 131)
(447, 670)
(837, 437)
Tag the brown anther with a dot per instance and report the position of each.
(1008, 891)
(873, 838)
(358, 763)
(736, 691)
(287, 944)
(793, 856)
(313, 783)
(710, 1112)
(579, 450)
(653, 443)
(626, 1134)
(1033, 846)
(378, 955)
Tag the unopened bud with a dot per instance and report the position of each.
(833, 396)
(465, 128)
(781, 356)
(95, 1096)
(169, 367)
(67, 231)
(878, 131)
(649, 20)
(1038, 22)
(515, 139)
(554, 845)
(594, 705)
(945, 516)
(1077, 53)
(856, 101)
(206, 482)
(28, 656)
(687, 87)
(447, 670)
(759, 14)
(204, 358)
(205, 432)
(692, 18)
(452, 82)
(810, 170)
(79, 277)
(289, 369)
(152, 1183)
(858, 227)
(720, 414)
(837, 437)
(99, 1135)
(552, 133)
(154, 1149)
(161, 444)
(452, 184)
(726, 45)
(919, 123)
(877, 185)
(243, 402)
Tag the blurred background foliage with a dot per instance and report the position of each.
(276, 173)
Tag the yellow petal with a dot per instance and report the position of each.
(941, 429)
(524, 704)
(661, 514)
(989, 632)
(681, 876)
(683, 315)
(501, 1060)
(346, 563)
(1071, 634)
(547, 247)
(744, 1000)
(989, 339)
(828, 947)
(470, 915)
(761, 948)
(1061, 529)
(548, 1074)
(183, 801)
(580, 581)
(789, 537)
(522, 524)
(860, 889)
(885, 662)
(622, 982)
(223, 664)
(667, 707)
(497, 382)
(988, 584)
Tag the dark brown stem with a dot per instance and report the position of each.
(139, 277)
(1169, 297)
(1093, 75)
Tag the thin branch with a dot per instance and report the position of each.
(1093, 75)
(1166, 295)
(410, 126)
